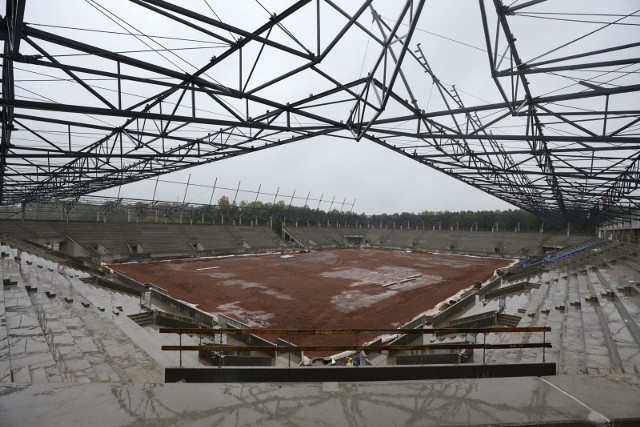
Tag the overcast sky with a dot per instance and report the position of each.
(379, 180)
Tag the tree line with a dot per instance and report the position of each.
(280, 214)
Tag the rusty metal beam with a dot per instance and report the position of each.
(339, 348)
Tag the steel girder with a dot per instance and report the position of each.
(135, 113)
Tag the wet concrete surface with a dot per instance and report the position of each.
(50, 349)
(53, 330)
(523, 401)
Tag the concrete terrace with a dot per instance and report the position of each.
(121, 241)
(66, 341)
(591, 301)
(57, 328)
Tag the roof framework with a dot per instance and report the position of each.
(556, 132)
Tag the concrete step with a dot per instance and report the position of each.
(508, 320)
(142, 319)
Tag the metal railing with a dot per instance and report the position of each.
(357, 345)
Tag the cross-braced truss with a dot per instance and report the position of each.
(115, 92)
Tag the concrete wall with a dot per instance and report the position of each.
(439, 318)
(71, 248)
(205, 319)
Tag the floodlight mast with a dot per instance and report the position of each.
(580, 174)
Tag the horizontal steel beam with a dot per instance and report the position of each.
(421, 331)
(341, 348)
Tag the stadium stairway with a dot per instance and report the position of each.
(594, 318)
(53, 329)
(15, 229)
(620, 324)
(25, 346)
(142, 319)
(508, 320)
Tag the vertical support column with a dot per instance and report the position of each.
(318, 28)
(13, 35)
(484, 348)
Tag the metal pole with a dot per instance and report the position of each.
(484, 349)
(357, 343)
(289, 353)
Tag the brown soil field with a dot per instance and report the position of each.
(329, 289)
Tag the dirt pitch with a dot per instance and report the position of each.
(321, 289)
